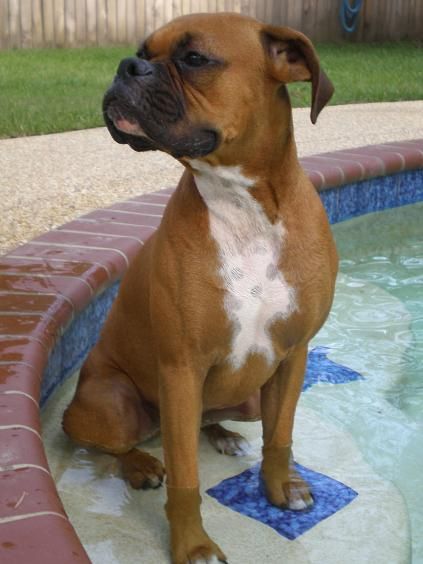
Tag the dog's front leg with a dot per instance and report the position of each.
(279, 397)
(180, 412)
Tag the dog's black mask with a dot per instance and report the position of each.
(147, 94)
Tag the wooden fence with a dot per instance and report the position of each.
(58, 23)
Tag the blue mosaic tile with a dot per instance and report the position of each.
(372, 201)
(330, 201)
(416, 177)
(244, 493)
(410, 187)
(374, 194)
(368, 196)
(84, 331)
(53, 372)
(321, 369)
(388, 192)
(347, 205)
(71, 350)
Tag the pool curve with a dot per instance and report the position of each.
(55, 292)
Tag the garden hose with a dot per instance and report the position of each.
(349, 13)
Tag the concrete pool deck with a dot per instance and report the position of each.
(48, 180)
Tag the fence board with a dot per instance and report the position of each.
(70, 23)
(294, 15)
(211, 6)
(101, 22)
(245, 7)
(130, 22)
(140, 18)
(27, 23)
(14, 24)
(4, 25)
(121, 21)
(177, 8)
(59, 22)
(80, 22)
(268, 14)
(91, 15)
(158, 20)
(229, 6)
(237, 6)
(203, 7)
(417, 19)
(186, 6)
(149, 17)
(111, 21)
(281, 15)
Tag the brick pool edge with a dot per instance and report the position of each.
(55, 292)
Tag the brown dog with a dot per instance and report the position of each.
(221, 302)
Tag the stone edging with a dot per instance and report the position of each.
(45, 284)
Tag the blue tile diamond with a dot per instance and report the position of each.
(321, 369)
(244, 493)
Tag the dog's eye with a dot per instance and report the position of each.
(194, 59)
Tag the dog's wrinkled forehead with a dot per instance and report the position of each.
(210, 34)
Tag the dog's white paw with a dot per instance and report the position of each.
(212, 560)
(233, 446)
(299, 504)
(227, 442)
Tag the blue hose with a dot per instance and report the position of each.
(349, 14)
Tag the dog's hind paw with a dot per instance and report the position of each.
(227, 442)
(197, 558)
(212, 560)
(142, 470)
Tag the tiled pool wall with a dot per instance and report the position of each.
(55, 293)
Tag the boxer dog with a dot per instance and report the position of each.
(214, 315)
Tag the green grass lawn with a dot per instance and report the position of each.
(50, 90)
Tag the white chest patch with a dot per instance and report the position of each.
(250, 247)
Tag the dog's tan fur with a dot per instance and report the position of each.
(163, 353)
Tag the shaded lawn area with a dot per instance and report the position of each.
(51, 90)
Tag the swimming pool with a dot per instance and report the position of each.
(58, 289)
(372, 402)
(376, 328)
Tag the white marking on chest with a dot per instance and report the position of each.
(249, 247)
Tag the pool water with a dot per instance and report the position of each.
(365, 431)
(376, 328)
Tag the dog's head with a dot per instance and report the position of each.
(206, 82)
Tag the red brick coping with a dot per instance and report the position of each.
(43, 285)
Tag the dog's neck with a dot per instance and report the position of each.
(226, 191)
(264, 183)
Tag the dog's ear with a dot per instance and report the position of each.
(292, 58)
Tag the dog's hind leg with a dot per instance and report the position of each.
(225, 441)
(108, 413)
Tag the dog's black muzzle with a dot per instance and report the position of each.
(146, 93)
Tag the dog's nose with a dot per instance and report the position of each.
(132, 67)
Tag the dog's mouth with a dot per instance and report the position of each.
(125, 129)
(142, 130)
(127, 125)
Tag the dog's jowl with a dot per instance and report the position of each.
(214, 315)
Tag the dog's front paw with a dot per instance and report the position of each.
(205, 552)
(284, 486)
(293, 493)
(190, 543)
(142, 470)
